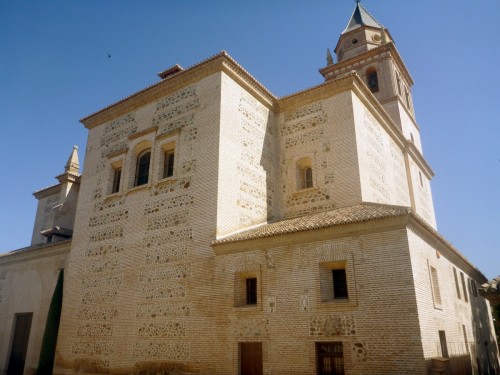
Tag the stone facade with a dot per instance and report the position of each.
(236, 237)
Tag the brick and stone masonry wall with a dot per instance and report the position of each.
(381, 161)
(453, 313)
(247, 161)
(321, 131)
(291, 316)
(137, 289)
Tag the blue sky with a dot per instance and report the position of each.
(54, 70)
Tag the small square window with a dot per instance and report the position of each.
(334, 284)
(246, 290)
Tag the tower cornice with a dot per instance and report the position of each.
(389, 48)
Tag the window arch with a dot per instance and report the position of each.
(304, 173)
(308, 177)
(372, 79)
(142, 168)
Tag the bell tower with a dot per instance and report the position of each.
(367, 47)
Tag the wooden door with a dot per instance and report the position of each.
(19, 344)
(330, 358)
(250, 358)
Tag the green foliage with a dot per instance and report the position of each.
(48, 350)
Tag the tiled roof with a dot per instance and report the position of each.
(340, 216)
(33, 248)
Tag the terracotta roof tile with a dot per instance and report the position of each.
(340, 216)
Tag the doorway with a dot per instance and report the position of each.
(250, 358)
(22, 327)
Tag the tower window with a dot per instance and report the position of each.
(168, 164)
(142, 169)
(372, 80)
(117, 175)
(304, 174)
(308, 177)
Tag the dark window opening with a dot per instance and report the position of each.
(308, 178)
(330, 358)
(142, 171)
(466, 298)
(444, 345)
(457, 286)
(168, 165)
(339, 284)
(116, 180)
(372, 79)
(465, 338)
(251, 289)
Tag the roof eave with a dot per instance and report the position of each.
(214, 64)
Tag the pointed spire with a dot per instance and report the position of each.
(72, 165)
(329, 58)
(361, 17)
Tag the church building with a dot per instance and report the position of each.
(218, 229)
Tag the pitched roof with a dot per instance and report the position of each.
(361, 17)
(345, 215)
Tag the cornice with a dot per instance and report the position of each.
(410, 221)
(418, 158)
(432, 236)
(320, 92)
(373, 53)
(140, 134)
(35, 252)
(379, 112)
(48, 191)
(68, 176)
(169, 85)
